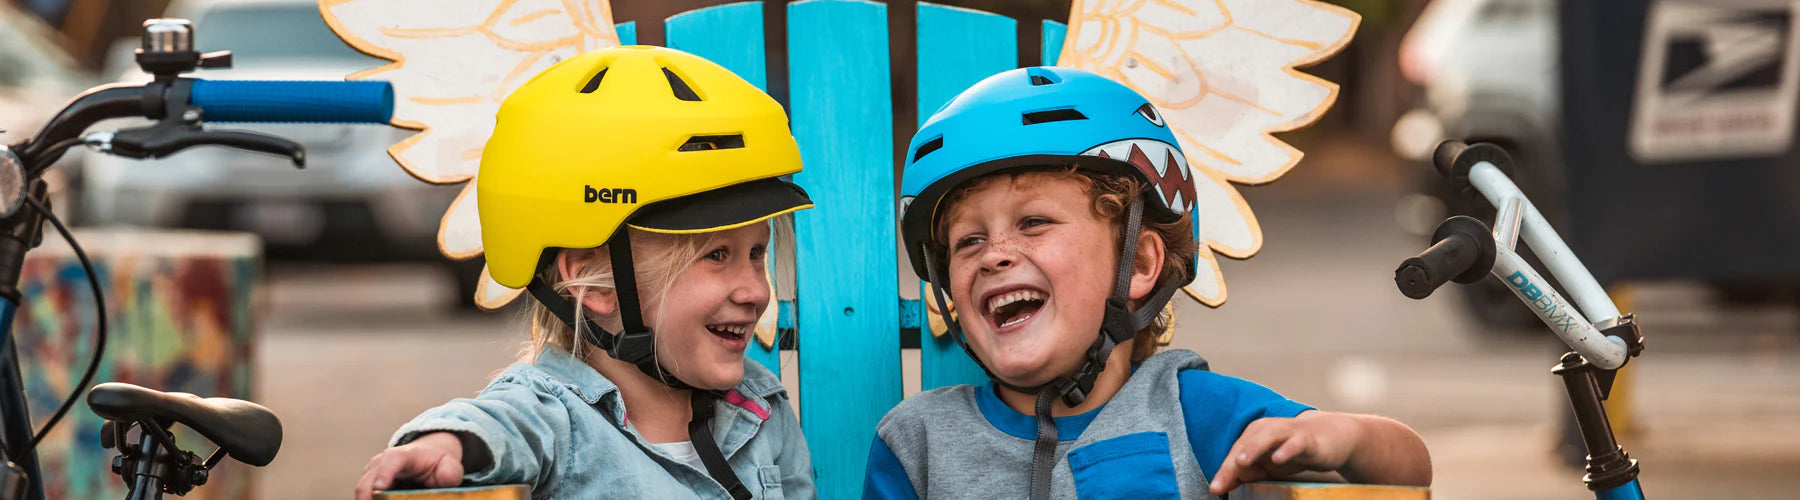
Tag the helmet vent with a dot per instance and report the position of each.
(1043, 76)
(712, 142)
(594, 83)
(928, 147)
(681, 88)
(1054, 115)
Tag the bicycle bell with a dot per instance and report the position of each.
(168, 35)
(167, 49)
(12, 182)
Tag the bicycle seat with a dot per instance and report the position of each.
(247, 431)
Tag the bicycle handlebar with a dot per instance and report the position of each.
(182, 104)
(1462, 251)
(1483, 171)
(293, 101)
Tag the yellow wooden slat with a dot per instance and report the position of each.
(1320, 491)
(508, 492)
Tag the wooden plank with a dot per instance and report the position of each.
(732, 36)
(507, 492)
(627, 32)
(957, 47)
(1275, 490)
(1053, 41)
(848, 318)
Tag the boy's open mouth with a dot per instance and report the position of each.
(732, 332)
(1011, 307)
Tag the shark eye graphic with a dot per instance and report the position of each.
(1149, 113)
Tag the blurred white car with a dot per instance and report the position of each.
(1488, 69)
(351, 202)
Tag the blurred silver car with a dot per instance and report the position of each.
(351, 202)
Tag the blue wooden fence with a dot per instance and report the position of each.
(848, 314)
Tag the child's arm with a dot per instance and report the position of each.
(885, 478)
(434, 460)
(1363, 448)
(506, 435)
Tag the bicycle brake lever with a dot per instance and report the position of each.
(164, 139)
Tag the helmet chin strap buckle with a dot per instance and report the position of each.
(1073, 392)
(1118, 324)
(634, 347)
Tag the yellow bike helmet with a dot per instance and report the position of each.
(647, 137)
(653, 137)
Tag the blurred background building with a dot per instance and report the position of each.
(361, 325)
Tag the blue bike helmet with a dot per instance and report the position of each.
(1037, 118)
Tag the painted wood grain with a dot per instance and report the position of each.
(843, 118)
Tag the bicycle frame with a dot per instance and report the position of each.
(17, 431)
(1594, 350)
(18, 232)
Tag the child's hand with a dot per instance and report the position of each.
(433, 460)
(1277, 447)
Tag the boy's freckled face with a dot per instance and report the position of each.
(1031, 267)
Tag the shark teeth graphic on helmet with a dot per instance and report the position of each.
(1175, 187)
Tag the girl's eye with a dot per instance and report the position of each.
(758, 252)
(718, 255)
(1031, 222)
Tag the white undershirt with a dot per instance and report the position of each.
(682, 451)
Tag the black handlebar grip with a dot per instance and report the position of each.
(1444, 157)
(1462, 250)
(1453, 159)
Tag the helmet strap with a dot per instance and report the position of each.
(636, 343)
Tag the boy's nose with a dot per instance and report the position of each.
(997, 258)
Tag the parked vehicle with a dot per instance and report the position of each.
(350, 202)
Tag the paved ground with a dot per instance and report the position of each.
(350, 353)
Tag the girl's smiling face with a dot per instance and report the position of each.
(1030, 268)
(701, 295)
(703, 320)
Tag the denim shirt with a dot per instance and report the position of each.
(560, 427)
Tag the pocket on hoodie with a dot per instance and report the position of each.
(1129, 466)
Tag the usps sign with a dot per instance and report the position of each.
(1718, 79)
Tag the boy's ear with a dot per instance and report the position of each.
(602, 301)
(1148, 264)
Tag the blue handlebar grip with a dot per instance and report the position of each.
(293, 101)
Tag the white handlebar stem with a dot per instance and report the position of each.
(1605, 352)
(1562, 318)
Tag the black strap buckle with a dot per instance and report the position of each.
(1118, 324)
(634, 347)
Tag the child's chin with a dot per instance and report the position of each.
(1022, 372)
(718, 379)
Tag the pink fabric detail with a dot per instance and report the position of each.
(738, 399)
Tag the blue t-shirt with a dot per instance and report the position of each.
(1216, 409)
